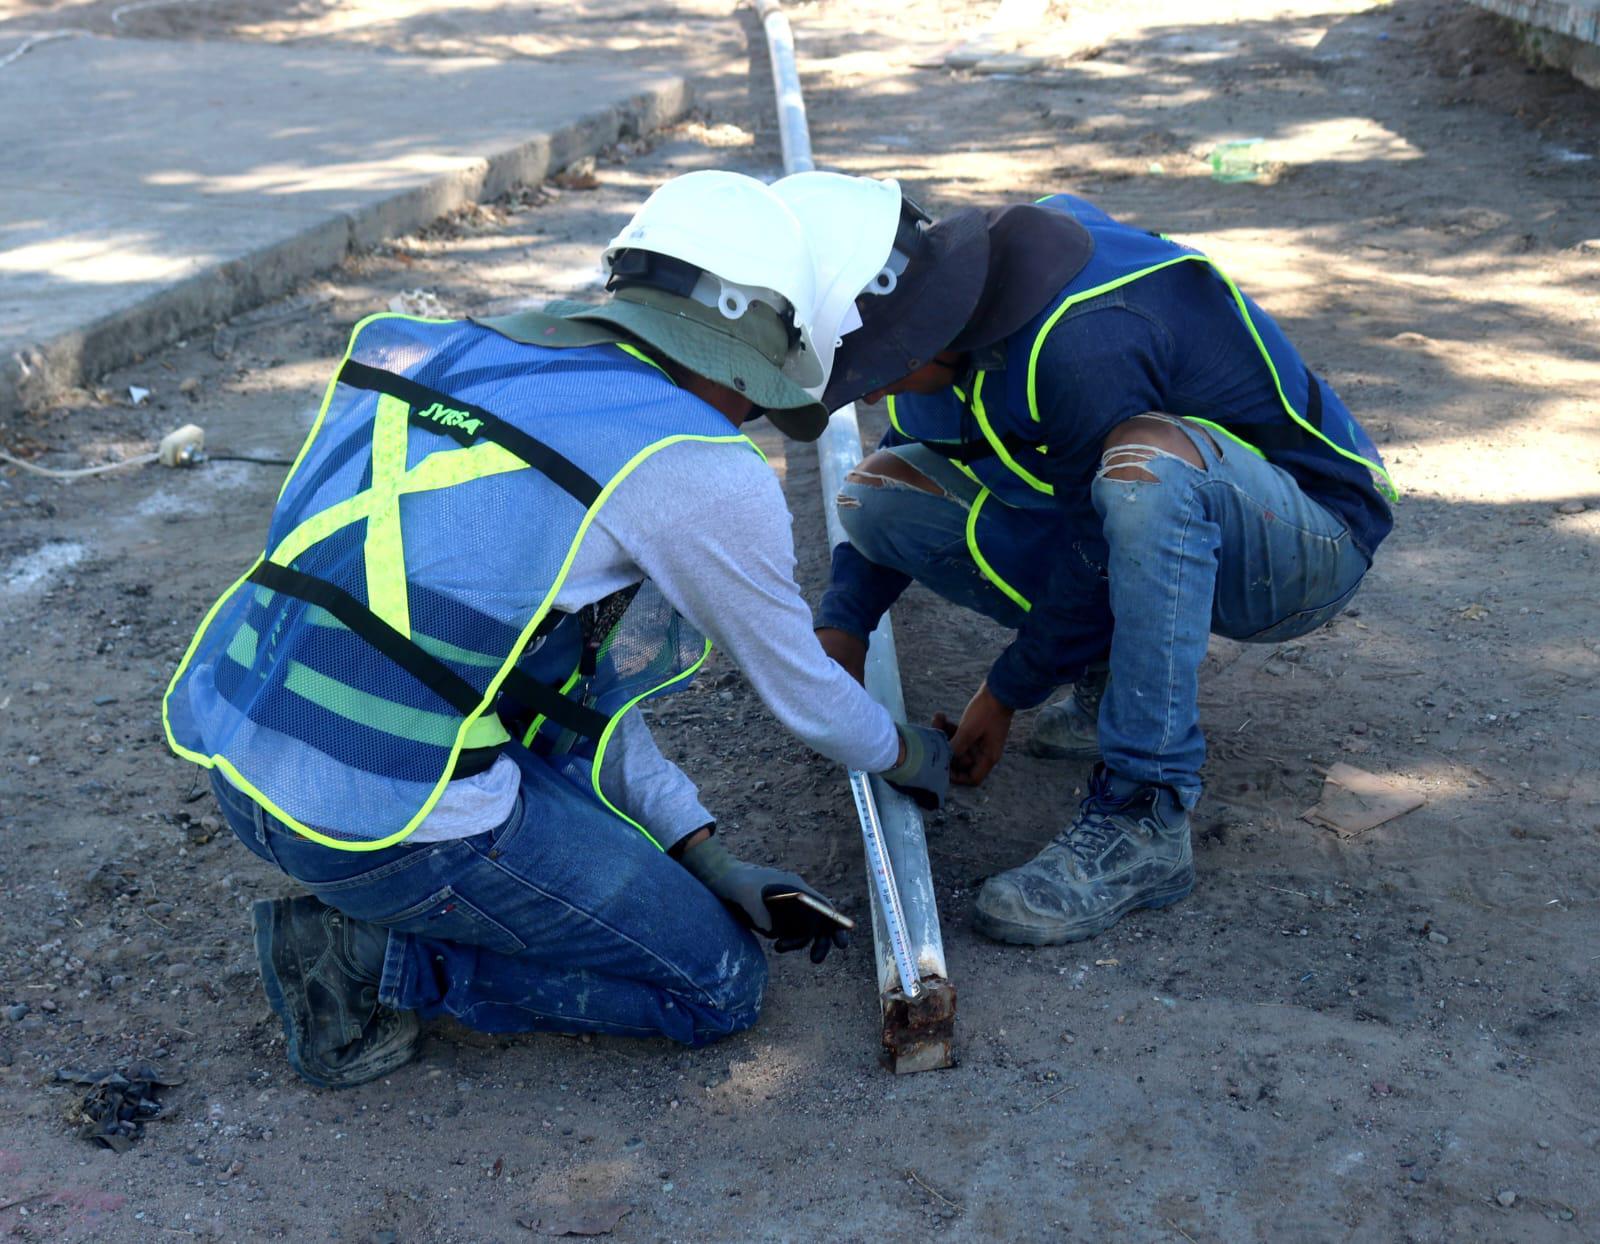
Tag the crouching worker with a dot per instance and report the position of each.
(1101, 443)
(420, 701)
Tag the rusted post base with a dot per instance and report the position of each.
(919, 1033)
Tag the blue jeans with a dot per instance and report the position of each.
(564, 919)
(1233, 548)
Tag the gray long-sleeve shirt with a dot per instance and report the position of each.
(708, 525)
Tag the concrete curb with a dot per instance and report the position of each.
(40, 373)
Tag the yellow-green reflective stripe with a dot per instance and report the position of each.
(377, 844)
(1095, 292)
(1387, 487)
(316, 615)
(894, 418)
(373, 711)
(1217, 427)
(487, 731)
(242, 647)
(966, 470)
(572, 679)
(643, 358)
(605, 739)
(437, 647)
(442, 469)
(333, 383)
(388, 594)
(995, 443)
(989, 572)
(188, 655)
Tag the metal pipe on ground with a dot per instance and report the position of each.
(919, 1021)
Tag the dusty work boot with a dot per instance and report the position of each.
(1128, 848)
(1070, 728)
(321, 971)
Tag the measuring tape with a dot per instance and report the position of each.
(883, 879)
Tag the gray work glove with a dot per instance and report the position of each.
(744, 888)
(924, 775)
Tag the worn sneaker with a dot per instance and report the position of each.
(1070, 728)
(321, 971)
(1128, 848)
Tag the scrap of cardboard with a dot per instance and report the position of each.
(1354, 801)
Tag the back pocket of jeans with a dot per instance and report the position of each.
(447, 917)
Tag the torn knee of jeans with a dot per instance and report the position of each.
(873, 480)
(845, 501)
(1126, 463)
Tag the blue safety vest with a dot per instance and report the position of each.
(402, 611)
(990, 427)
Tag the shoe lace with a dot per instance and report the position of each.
(1093, 829)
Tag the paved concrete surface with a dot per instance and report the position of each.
(152, 187)
(1577, 19)
(1564, 34)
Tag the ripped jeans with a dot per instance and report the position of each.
(1234, 548)
(564, 919)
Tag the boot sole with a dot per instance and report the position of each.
(1031, 935)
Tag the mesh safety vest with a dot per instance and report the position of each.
(412, 560)
(990, 428)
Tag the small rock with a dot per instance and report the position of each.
(1572, 507)
(1506, 1198)
(189, 386)
(1438, 938)
(17, 1012)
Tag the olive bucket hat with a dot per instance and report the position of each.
(745, 354)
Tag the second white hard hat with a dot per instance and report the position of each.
(850, 224)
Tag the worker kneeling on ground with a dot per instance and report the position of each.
(420, 701)
(1099, 442)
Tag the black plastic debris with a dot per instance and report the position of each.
(118, 1104)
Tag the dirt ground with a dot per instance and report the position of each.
(1387, 1037)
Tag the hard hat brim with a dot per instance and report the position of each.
(696, 338)
(931, 304)
(964, 295)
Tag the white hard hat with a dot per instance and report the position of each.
(747, 243)
(850, 223)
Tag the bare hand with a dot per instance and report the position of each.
(979, 741)
(846, 649)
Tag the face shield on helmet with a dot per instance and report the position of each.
(726, 241)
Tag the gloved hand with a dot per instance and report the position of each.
(744, 889)
(924, 774)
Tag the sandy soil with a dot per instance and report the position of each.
(1383, 1038)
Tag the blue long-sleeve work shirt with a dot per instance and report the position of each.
(1169, 342)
